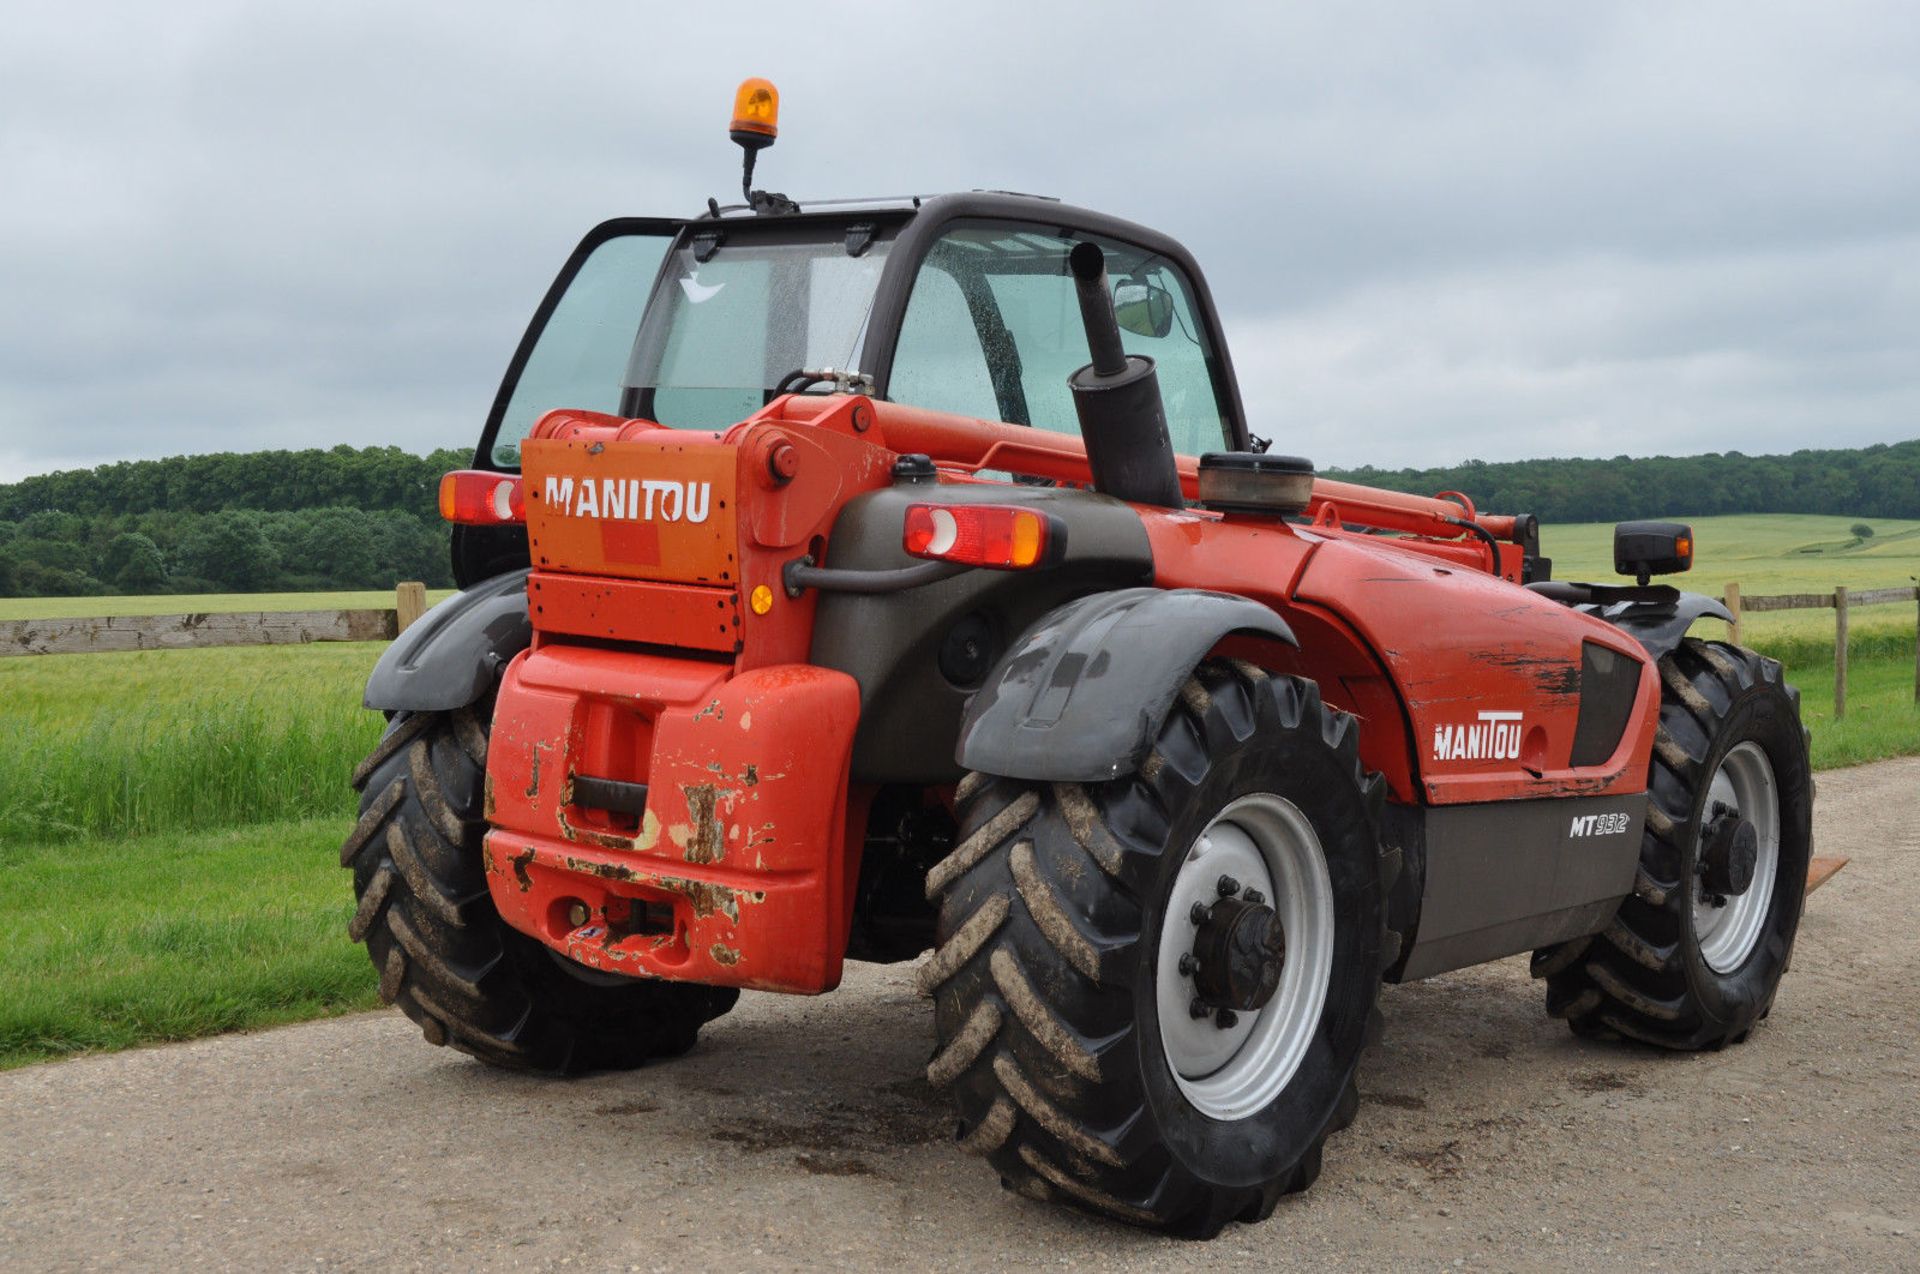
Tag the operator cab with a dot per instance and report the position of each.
(959, 303)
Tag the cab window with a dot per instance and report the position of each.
(993, 329)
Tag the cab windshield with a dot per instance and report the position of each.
(725, 332)
(720, 337)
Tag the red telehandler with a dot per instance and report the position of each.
(849, 580)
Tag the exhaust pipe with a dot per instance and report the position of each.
(1117, 396)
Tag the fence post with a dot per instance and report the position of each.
(409, 604)
(1733, 605)
(1916, 646)
(1839, 652)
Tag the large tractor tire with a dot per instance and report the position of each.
(447, 960)
(1695, 954)
(1151, 995)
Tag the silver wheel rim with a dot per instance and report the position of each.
(1728, 932)
(1266, 843)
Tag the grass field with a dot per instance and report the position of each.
(169, 820)
(114, 942)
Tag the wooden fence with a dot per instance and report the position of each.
(273, 628)
(213, 628)
(1841, 603)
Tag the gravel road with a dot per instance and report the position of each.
(800, 1134)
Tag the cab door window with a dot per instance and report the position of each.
(993, 329)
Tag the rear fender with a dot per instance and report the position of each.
(450, 656)
(1080, 697)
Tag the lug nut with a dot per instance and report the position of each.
(1188, 965)
(1254, 896)
(1198, 913)
(1226, 1019)
(577, 914)
(1227, 886)
(1198, 1009)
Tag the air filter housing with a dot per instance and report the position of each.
(1252, 483)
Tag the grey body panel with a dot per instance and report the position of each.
(891, 643)
(451, 655)
(1081, 696)
(1508, 876)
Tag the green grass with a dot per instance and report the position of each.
(192, 603)
(116, 942)
(105, 745)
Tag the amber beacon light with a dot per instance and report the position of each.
(756, 114)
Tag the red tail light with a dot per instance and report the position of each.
(993, 535)
(478, 497)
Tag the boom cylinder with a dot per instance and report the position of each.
(1117, 397)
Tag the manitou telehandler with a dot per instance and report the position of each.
(846, 580)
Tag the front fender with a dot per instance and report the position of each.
(1659, 625)
(1080, 697)
(451, 654)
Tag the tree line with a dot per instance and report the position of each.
(359, 518)
(1879, 481)
(265, 521)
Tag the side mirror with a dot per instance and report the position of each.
(1145, 309)
(1642, 549)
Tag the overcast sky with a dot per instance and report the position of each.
(1435, 231)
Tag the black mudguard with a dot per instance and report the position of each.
(451, 654)
(1080, 697)
(1659, 626)
(1657, 617)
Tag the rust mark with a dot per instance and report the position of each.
(713, 710)
(521, 861)
(486, 798)
(723, 954)
(533, 785)
(704, 840)
(752, 776)
(486, 858)
(605, 871)
(703, 896)
(707, 898)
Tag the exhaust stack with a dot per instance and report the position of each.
(1117, 397)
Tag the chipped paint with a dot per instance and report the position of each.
(746, 720)
(486, 797)
(714, 710)
(703, 840)
(723, 954)
(521, 861)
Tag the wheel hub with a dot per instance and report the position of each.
(1239, 952)
(1249, 922)
(1729, 853)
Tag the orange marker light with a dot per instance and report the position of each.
(1683, 548)
(756, 113)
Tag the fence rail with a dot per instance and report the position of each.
(212, 628)
(1841, 602)
(274, 628)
